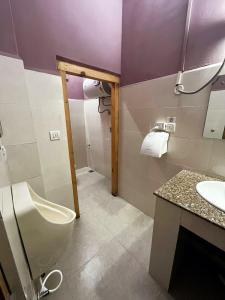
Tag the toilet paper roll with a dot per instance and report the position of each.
(155, 144)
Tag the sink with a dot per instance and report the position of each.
(213, 192)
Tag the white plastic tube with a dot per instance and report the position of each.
(44, 290)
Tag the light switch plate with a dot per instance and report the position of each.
(54, 135)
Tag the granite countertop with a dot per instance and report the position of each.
(181, 191)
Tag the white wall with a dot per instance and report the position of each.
(78, 132)
(99, 137)
(143, 104)
(18, 132)
(46, 102)
(31, 104)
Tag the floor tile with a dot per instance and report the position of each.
(108, 256)
(88, 237)
(136, 238)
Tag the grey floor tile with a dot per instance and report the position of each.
(136, 238)
(88, 238)
(109, 254)
(63, 293)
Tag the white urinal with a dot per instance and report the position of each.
(45, 228)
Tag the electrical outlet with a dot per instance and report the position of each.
(160, 125)
(170, 127)
(54, 135)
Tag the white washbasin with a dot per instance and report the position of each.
(213, 192)
(45, 228)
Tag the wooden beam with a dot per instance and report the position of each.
(70, 143)
(115, 137)
(87, 72)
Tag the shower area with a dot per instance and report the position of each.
(90, 116)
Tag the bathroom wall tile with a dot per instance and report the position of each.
(23, 161)
(49, 117)
(108, 157)
(12, 84)
(138, 192)
(79, 136)
(55, 176)
(76, 113)
(135, 119)
(53, 153)
(144, 119)
(217, 161)
(161, 170)
(46, 101)
(152, 93)
(80, 156)
(98, 135)
(190, 122)
(194, 79)
(43, 88)
(200, 99)
(192, 153)
(142, 104)
(37, 185)
(62, 195)
(4, 174)
(17, 124)
(129, 154)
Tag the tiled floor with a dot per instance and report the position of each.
(109, 255)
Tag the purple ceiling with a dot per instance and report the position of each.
(153, 32)
(75, 87)
(89, 32)
(84, 31)
(7, 34)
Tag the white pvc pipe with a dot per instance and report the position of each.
(186, 34)
(46, 290)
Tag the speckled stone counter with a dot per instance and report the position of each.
(181, 191)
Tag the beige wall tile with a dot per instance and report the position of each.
(217, 160)
(46, 100)
(138, 192)
(37, 185)
(78, 131)
(23, 161)
(43, 88)
(17, 124)
(63, 195)
(142, 104)
(190, 122)
(152, 93)
(12, 83)
(190, 153)
(4, 174)
(98, 135)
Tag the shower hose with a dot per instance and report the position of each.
(44, 290)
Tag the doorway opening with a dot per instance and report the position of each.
(66, 69)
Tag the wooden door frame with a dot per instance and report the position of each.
(73, 69)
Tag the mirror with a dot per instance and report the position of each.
(215, 118)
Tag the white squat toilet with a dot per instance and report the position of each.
(45, 228)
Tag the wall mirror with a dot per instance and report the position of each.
(215, 118)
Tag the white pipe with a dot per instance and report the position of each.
(179, 86)
(186, 34)
(44, 290)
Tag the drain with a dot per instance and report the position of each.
(91, 171)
